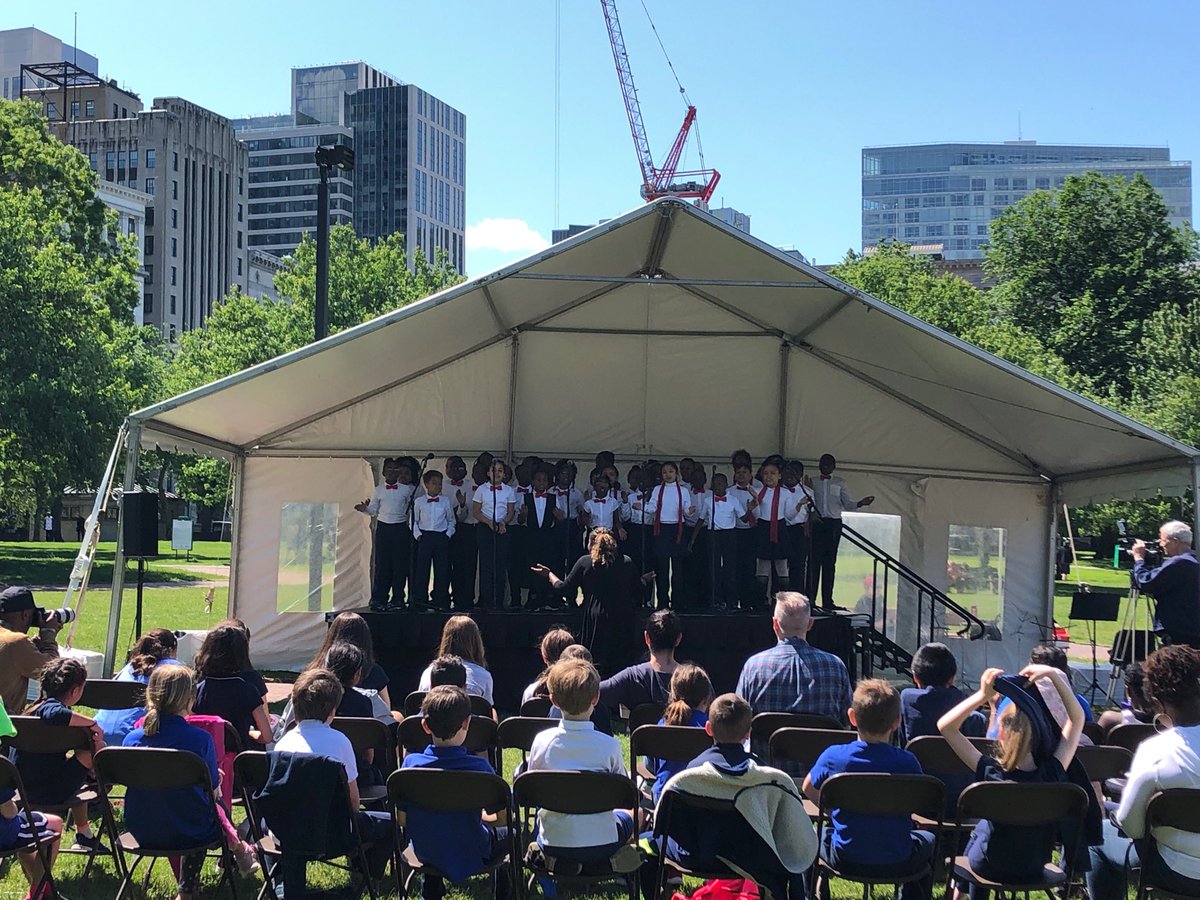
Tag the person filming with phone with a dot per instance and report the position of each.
(22, 657)
(1174, 584)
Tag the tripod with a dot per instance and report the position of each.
(1092, 608)
(1131, 644)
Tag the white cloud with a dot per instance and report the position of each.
(505, 236)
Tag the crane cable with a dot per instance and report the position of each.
(679, 84)
(557, 110)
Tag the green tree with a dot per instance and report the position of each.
(1085, 267)
(74, 362)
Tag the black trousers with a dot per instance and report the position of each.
(518, 566)
(697, 572)
(462, 566)
(826, 535)
(669, 556)
(747, 590)
(493, 565)
(433, 549)
(393, 556)
(723, 547)
(797, 557)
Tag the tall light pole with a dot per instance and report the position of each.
(338, 156)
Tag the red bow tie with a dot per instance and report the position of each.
(392, 487)
(826, 477)
(456, 483)
(541, 495)
(521, 490)
(433, 499)
(496, 487)
(720, 499)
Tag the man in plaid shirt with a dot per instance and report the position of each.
(793, 676)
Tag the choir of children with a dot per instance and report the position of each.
(717, 544)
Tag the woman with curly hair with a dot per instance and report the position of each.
(1170, 759)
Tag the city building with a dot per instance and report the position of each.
(410, 170)
(944, 196)
(321, 94)
(24, 46)
(260, 283)
(190, 162)
(732, 217)
(130, 206)
(558, 235)
(69, 93)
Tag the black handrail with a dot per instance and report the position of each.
(974, 627)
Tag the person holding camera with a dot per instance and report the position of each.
(22, 657)
(1174, 584)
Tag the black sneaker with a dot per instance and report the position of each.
(91, 844)
(377, 607)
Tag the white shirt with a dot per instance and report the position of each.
(569, 500)
(1167, 760)
(519, 493)
(311, 736)
(698, 499)
(743, 494)
(504, 499)
(450, 491)
(434, 514)
(723, 513)
(390, 502)
(766, 501)
(664, 501)
(602, 513)
(800, 511)
(831, 497)
(576, 747)
(479, 680)
(631, 515)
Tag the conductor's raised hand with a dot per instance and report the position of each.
(866, 501)
(362, 507)
(539, 569)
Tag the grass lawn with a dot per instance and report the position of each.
(1098, 576)
(50, 563)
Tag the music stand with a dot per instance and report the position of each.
(1092, 607)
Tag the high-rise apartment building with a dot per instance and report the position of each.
(410, 170)
(944, 196)
(24, 46)
(320, 94)
(190, 162)
(732, 217)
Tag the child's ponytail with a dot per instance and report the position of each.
(168, 693)
(691, 690)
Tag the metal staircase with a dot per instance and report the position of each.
(918, 614)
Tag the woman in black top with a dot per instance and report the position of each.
(612, 594)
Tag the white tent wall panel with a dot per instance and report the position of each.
(287, 641)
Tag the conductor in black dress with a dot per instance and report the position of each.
(613, 592)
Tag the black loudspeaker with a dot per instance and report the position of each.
(139, 524)
(1131, 647)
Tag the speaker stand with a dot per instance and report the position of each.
(137, 613)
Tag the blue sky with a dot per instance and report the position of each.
(788, 92)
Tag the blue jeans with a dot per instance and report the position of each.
(1107, 879)
(919, 855)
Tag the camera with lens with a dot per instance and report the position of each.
(1153, 555)
(45, 618)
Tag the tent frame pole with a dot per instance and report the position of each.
(133, 443)
(237, 474)
(1053, 502)
(512, 395)
(785, 352)
(1195, 499)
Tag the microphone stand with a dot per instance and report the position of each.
(412, 517)
(712, 545)
(495, 547)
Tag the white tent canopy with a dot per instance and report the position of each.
(663, 332)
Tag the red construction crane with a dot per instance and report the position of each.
(656, 182)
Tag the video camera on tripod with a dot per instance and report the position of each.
(1153, 555)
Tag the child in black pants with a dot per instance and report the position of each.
(434, 521)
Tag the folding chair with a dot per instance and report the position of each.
(1106, 765)
(578, 793)
(1022, 805)
(153, 769)
(102, 693)
(878, 794)
(766, 724)
(252, 768)
(1178, 808)
(937, 758)
(536, 708)
(645, 714)
(370, 734)
(802, 747)
(674, 743)
(481, 737)
(518, 732)
(479, 705)
(10, 780)
(1129, 736)
(450, 792)
(1093, 732)
(37, 736)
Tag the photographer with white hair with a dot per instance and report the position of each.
(1175, 585)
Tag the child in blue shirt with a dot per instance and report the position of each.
(691, 693)
(458, 844)
(934, 669)
(873, 844)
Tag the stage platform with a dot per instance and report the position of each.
(405, 642)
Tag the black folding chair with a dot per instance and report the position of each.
(1106, 765)
(449, 792)
(102, 693)
(367, 734)
(518, 732)
(579, 793)
(878, 794)
(766, 724)
(645, 714)
(35, 735)
(1130, 735)
(252, 768)
(10, 780)
(674, 743)
(479, 705)
(937, 758)
(153, 769)
(536, 708)
(1178, 808)
(1006, 803)
(481, 737)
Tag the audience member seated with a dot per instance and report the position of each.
(461, 638)
(448, 671)
(16, 830)
(934, 669)
(346, 662)
(873, 845)
(794, 676)
(315, 698)
(154, 648)
(648, 682)
(22, 657)
(1167, 760)
(351, 628)
(52, 779)
(576, 746)
(554, 642)
(691, 694)
(1045, 654)
(221, 664)
(458, 844)
(1007, 853)
(181, 817)
(250, 675)
(1135, 708)
(601, 717)
(770, 838)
